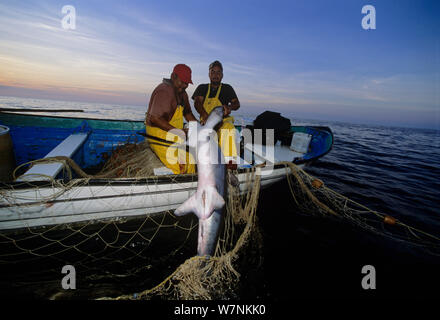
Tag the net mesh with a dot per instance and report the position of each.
(313, 197)
(216, 277)
(119, 258)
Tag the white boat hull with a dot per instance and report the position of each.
(46, 206)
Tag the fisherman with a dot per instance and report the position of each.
(208, 96)
(168, 105)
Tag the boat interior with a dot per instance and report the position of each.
(91, 143)
(251, 154)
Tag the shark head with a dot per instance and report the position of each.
(197, 132)
(214, 117)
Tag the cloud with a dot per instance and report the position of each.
(34, 51)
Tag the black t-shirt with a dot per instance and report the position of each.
(227, 93)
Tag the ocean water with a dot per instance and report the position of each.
(395, 170)
(392, 170)
(85, 109)
(388, 169)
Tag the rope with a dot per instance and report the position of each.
(334, 196)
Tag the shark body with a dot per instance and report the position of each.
(208, 202)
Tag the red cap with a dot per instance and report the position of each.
(183, 72)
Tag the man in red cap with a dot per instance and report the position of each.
(168, 106)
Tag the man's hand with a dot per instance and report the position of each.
(226, 110)
(203, 116)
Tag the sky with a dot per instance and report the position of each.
(308, 59)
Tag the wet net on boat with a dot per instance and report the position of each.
(152, 256)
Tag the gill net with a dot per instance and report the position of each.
(313, 197)
(134, 258)
(124, 253)
(217, 277)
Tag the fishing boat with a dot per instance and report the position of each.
(33, 200)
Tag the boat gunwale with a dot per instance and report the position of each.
(66, 117)
(319, 128)
(159, 180)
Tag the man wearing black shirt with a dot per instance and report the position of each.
(208, 96)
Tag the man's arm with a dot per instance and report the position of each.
(160, 122)
(199, 99)
(163, 124)
(233, 104)
(156, 115)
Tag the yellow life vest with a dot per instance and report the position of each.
(211, 103)
(177, 159)
(227, 130)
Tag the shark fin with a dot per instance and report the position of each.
(215, 202)
(190, 205)
(202, 205)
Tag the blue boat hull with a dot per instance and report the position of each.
(34, 136)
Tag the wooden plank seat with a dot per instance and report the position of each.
(46, 171)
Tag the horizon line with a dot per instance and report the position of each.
(245, 113)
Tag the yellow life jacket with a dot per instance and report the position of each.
(170, 155)
(211, 103)
(227, 130)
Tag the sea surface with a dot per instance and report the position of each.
(392, 170)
